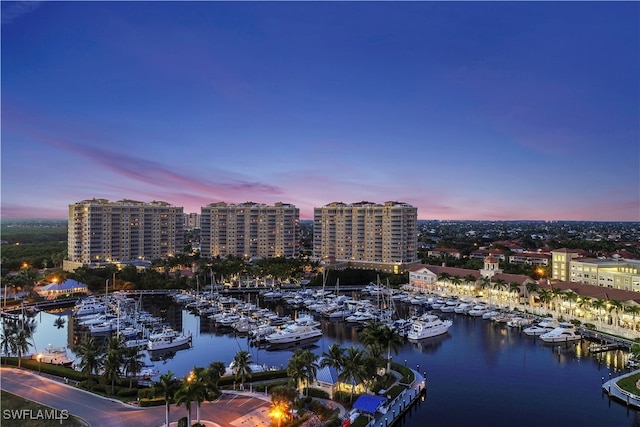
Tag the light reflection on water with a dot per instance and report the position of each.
(480, 373)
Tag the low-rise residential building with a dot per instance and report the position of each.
(539, 260)
(444, 252)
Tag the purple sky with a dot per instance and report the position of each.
(467, 110)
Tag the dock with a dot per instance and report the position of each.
(604, 342)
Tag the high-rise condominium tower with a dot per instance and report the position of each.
(249, 230)
(101, 231)
(367, 234)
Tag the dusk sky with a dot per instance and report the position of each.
(466, 110)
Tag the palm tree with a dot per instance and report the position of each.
(444, 277)
(634, 310)
(333, 357)
(585, 303)
(514, 289)
(456, 281)
(555, 293)
(531, 288)
(499, 285)
(21, 344)
(571, 297)
(7, 339)
(599, 304)
(616, 306)
(242, 362)
(469, 279)
(214, 372)
(133, 363)
(184, 396)
(384, 336)
(545, 296)
(166, 387)
(113, 360)
(303, 366)
(353, 368)
(200, 387)
(485, 283)
(90, 360)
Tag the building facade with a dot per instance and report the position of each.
(102, 232)
(367, 235)
(250, 230)
(617, 273)
(191, 221)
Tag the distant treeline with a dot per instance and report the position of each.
(33, 234)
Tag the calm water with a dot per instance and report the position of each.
(479, 374)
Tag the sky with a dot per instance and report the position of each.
(466, 110)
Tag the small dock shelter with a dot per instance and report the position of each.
(69, 286)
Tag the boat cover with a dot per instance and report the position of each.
(369, 403)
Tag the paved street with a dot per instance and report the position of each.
(231, 410)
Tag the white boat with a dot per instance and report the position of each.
(478, 310)
(294, 333)
(542, 327)
(56, 356)
(254, 367)
(449, 306)
(89, 307)
(96, 320)
(428, 325)
(166, 340)
(137, 343)
(519, 321)
(565, 332)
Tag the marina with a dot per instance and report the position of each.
(480, 361)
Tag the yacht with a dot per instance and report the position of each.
(167, 339)
(428, 325)
(56, 356)
(478, 310)
(544, 326)
(89, 306)
(565, 332)
(293, 333)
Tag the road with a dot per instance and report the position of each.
(231, 410)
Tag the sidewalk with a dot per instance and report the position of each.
(611, 388)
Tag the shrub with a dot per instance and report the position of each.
(127, 392)
(157, 401)
(183, 422)
(146, 393)
(314, 392)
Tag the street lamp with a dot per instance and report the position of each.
(39, 357)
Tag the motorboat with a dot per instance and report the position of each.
(293, 333)
(254, 367)
(56, 356)
(428, 325)
(89, 306)
(542, 327)
(478, 310)
(565, 332)
(449, 306)
(168, 339)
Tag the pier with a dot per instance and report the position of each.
(605, 342)
(392, 412)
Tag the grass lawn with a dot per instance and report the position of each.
(629, 383)
(17, 411)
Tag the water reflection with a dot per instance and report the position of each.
(495, 370)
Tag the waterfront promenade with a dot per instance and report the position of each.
(614, 391)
